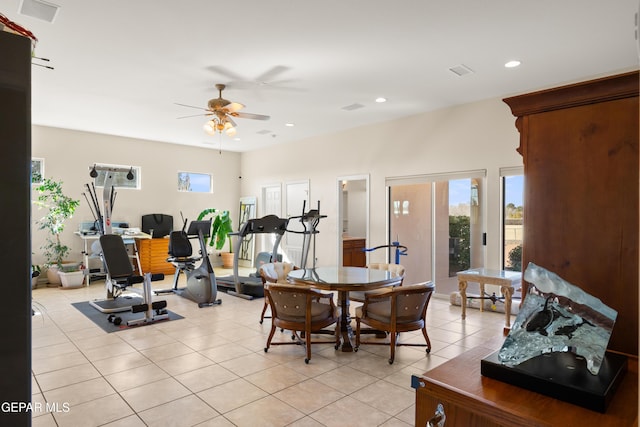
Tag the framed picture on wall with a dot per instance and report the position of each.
(37, 170)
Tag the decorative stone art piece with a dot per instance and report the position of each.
(557, 316)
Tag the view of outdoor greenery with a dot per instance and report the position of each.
(459, 244)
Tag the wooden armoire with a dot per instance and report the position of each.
(579, 144)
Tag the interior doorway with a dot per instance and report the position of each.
(353, 219)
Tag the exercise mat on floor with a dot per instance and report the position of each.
(102, 319)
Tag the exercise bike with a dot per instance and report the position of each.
(202, 287)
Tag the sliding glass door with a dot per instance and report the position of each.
(440, 222)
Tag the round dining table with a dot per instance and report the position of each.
(343, 280)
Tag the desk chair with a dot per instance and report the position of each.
(300, 309)
(395, 269)
(273, 272)
(400, 309)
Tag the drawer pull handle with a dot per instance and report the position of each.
(438, 418)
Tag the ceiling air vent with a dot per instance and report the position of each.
(353, 107)
(39, 9)
(461, 70)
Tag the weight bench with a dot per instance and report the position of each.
(120, 275)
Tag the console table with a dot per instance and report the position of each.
(470, 399)
(507, 280)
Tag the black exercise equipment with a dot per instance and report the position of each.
(249, 287)
(202, 286)
(120, 275)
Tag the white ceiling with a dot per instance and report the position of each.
(121, 65)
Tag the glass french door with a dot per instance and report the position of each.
(439, 220)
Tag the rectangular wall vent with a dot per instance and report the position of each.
(39, 9)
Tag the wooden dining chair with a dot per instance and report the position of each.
(400, 309)
(300, 309)
(273, 272)
(397, 270)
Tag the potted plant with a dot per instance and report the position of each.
(35, 274)
(221, 226)
(60, 208)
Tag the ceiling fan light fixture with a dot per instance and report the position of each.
(210, 127)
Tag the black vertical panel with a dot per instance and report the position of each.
(15, 219)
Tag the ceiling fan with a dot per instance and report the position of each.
(222, 112)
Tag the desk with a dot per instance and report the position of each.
(129, 239)
(507, 280)
(470, 399)
(343, 280)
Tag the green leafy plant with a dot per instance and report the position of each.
(221, 226)
(35, 270)
(515, 259)
(60, 208)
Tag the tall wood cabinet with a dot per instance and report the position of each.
(15, 183)
(579, 144)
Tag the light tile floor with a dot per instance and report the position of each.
(210, 368)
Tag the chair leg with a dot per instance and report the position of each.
(393, 336)
(426, 338)
(307, 341)
(271, 333)
(264, 310)
(357, 333)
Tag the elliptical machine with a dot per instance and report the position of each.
(201, 280)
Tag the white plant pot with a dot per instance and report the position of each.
(53, 277)
(34, 282)
(72, 279)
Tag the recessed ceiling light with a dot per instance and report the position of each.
(512, 64)
(290, 125)
(380, 100)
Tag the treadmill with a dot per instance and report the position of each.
(249, 287)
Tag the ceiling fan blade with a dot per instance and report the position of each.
(225, 72)
(230, 120)
(195, 115)
(270, 74)
(250, 116)
(191, 106)
(234, 106)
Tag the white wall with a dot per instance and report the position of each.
(480, 135)
(68, 155)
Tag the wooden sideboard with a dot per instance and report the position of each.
(153, 255)
(353, 254)
(470, 399)
(579, 145)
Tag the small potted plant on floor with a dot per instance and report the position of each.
(59, 208)
(35, 274)
(221, 226)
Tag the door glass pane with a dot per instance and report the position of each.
(410, 225)
(443, 233)
(513, 187)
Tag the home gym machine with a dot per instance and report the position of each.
(202, 287)
(309, 221)
(249, 287)
(120, 277)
